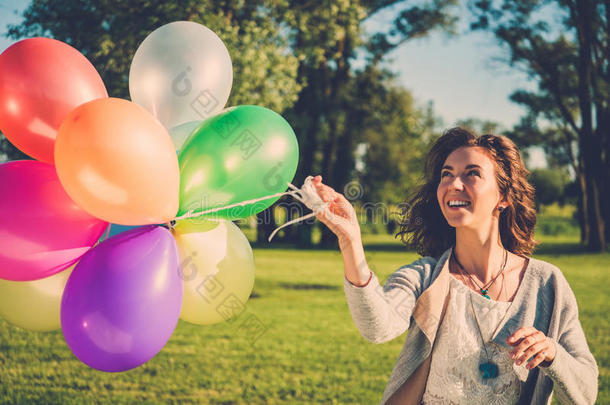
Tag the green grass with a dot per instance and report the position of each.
(305, 348)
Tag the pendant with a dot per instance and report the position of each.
(488, 370)
(484, 294)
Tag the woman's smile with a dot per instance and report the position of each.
(458, 207)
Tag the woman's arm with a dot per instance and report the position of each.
(380, 314)
(384, 313)
(574, 370)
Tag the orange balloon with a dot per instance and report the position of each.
(118, 163)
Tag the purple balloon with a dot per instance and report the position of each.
(122, 302)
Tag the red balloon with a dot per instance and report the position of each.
(41, 81)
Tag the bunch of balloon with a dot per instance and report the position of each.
(96, 160)
(43, 232)
(164, 175)
(182, 74)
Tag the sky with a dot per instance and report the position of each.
(464, 78)
(7, 16)
(457, 74)
(459, 77)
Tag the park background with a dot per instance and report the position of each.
(367, 87)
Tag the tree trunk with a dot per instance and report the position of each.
(604, 130)
(338, 134)
(306, 115)
(589, 145)
(583, 218)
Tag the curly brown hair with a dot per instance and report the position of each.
(422, 218)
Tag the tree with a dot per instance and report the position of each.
(292, 56)
(550, 185)
(108, 33)
(9, 152)
(326, 37)
(480, 126)
(394, 134)
(571, 63)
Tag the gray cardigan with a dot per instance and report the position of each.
(414, 298)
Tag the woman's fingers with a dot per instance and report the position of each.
(325, 192)
(333, 221)
(338, 203)
(340, 217)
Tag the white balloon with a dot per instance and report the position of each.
(217, 267)
(181, 72)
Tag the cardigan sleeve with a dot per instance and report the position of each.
(573, 370)
(384, 313)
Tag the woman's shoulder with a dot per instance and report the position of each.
(425, 265)
(550, 279)
(422, 270)
(545, 271)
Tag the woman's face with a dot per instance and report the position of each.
(468, 175)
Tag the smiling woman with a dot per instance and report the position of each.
(495, 326)
(488, 172)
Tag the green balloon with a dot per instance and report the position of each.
(243, 153)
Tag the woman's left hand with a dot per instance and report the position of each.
(530, 342)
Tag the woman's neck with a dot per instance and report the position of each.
(480, 253)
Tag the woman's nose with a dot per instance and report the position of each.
(456, 183)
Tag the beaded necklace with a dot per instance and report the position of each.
(489, 369)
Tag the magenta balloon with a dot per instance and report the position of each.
(122, 302)
(42, 231)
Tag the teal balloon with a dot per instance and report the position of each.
(115, 229)
(243, 153)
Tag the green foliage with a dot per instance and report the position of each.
(557, 227)
(9, 152)
(563, 45)
(549, 184)
(480, 126)
(394, 133)
(108, 33)
(294, 57)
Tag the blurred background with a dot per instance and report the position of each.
(367, 86)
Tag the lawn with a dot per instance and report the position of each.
(295, 342)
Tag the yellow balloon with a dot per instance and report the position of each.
(217, 267)
(118, 163)
(34, 305)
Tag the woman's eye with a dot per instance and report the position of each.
(443, 174)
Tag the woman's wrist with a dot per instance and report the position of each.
(349, 242)
(361, 285)
(357, 270)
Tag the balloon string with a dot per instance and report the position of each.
(307, 194)
(191, 214)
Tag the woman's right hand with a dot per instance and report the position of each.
(340, 217)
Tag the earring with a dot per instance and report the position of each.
(500, 208)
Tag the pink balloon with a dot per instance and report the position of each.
(42, 231)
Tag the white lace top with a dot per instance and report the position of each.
(454, 370)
